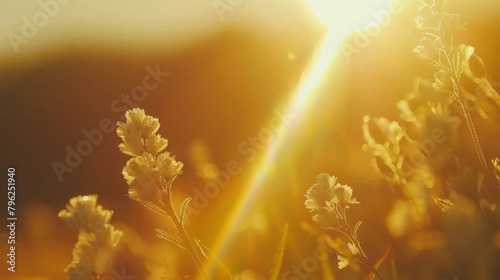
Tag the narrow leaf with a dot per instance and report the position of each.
(201, 246)
(183, 210)
(384, 256)
(325, 266)
(356, 227)
(152, 207)
(166, 236)
(444, 204)
(480, 180)
(278, 257)
(204, 250)
(393, 269)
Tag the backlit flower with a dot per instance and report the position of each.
(93, 254)
(143, 178)
(138, 134)
(352, 249)
(343, 261)
(320, 193)
(150, 168)
(83, 213)
(325, 196)
(169, 168)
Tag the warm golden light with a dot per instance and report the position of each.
(250, 140)
(341, 19)
(345, 17)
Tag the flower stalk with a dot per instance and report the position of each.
(150, 174)
(451, 60)
(329, 200)
(186, 240)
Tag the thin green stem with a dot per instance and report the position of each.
(479, 151)
(191, 249)
(185, 238)
(372, 268)
(343, 218)
(465, 108)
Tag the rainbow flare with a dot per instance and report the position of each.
(331, 14)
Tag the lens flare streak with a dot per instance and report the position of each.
(311, 79)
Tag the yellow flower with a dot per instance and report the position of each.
(353, 249)
(155, 144)
(321, 192)
(138, 134)
(169, 168)
(93, 254)
(343, 195)
(343, 261)
(143, 178)
(327, 191)
(150, 168)
(325, 196)
(81, 266)
(326, 217)
(91, 257)
(83, 213)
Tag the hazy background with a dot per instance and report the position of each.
(227, 75)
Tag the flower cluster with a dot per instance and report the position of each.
(407, 154)
(93, 255)
(326, 197)
(149, 169)
(438, 46)
(328, 200)
(387, 159)
(422, 153)
(150, 174)
(453, 61)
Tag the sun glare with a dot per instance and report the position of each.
(251, 140)
(341, 19)
(347, 16)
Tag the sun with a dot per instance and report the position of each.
(347, 16)
(341, 19)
